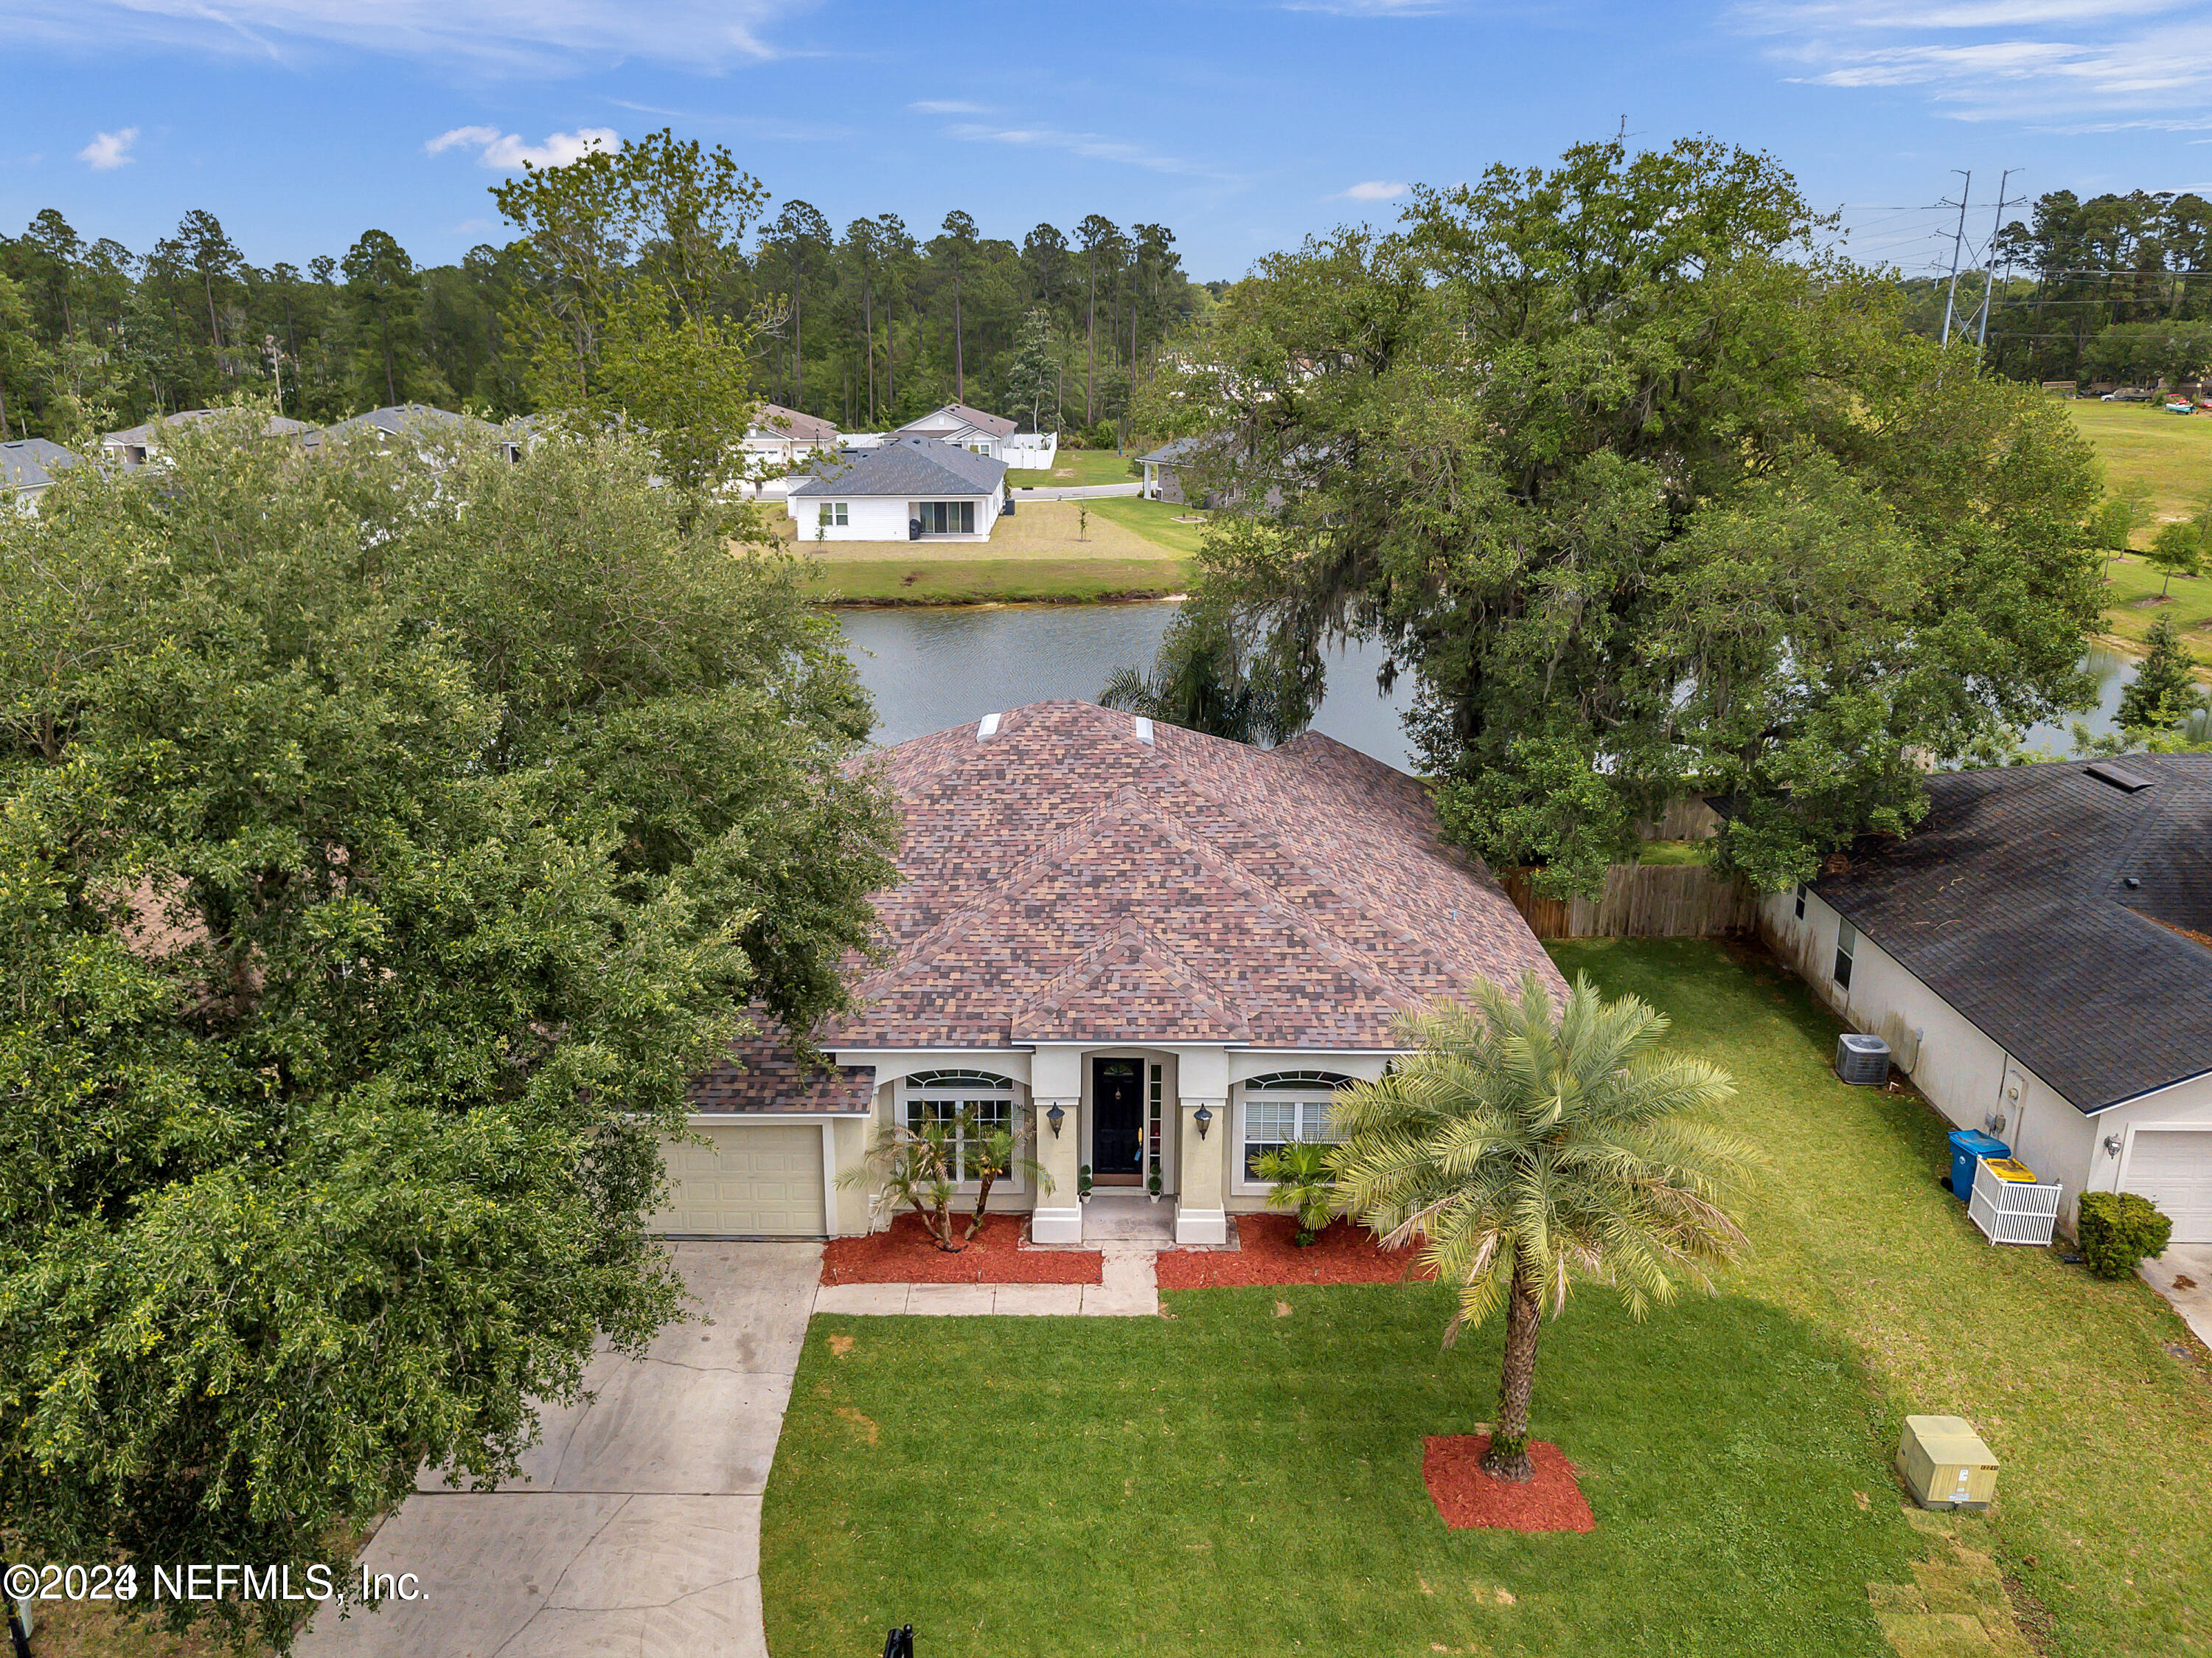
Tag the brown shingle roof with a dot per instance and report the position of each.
(1065, 880)
(761, 1075)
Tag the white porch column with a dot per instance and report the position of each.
(1201, 1217)
(1056, 1079)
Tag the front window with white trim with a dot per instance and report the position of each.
(1284, 1107)
(984, 1101)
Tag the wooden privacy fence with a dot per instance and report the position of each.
(1641, 900)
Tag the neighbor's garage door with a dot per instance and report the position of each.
(2172, 1168)
(749, 1180)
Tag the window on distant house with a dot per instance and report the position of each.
(833, 512)
(1286, 1107)
(1847, 942)
(1800, 900)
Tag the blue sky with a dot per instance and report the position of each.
(1242, 126)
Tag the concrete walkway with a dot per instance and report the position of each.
(1130, 1290)
(2193, 1300)
(637, 1527)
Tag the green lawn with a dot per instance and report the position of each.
(1079, 466)
(2171, 453)
(999, 581)
(2135, 604)
(1156, 520)
(1233, 1481)
(1675, 852)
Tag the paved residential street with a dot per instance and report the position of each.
(637, 1529)
(1077, 491)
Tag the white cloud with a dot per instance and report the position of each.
(1373, 190)
(1097, 146)
(109, 151)
(531, 37)
(946, 107)
(1982, 59)
(506, 152)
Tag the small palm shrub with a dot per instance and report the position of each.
(1304, 1176)
(919, 1168)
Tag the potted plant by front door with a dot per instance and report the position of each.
(1082, 1183)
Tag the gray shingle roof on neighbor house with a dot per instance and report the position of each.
(2012, 901)
(908, 468)
(1177, 451)
(30, 463)
(398, 418)
(277, 426)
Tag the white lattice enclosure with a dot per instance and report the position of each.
(2012, 1211)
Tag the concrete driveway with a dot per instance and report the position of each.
(637, 1528)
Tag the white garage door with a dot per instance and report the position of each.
(2172, 1168)
(749, 1180)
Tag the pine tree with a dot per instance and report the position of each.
(2165, 686)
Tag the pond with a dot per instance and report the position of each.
(932, 668)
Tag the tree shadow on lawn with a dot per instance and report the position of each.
(1231, 1481)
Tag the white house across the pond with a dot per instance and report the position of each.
(910, 489)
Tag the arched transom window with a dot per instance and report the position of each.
(983, 1100)
(1286, 1106)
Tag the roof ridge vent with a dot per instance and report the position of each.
(2119, 777)
(1144, 729)
(986, 726)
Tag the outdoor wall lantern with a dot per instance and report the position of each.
(1204, 1119)
(2112, 1145)
(1055, 1117)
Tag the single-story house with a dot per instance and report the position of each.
(413, 421)
(779, 434)
(2037, 955)
(1154, 953)
(962, 427)
(912, 489)
(27, 466)
(135, 446)
(1164, 469)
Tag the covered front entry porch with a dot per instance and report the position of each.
(1139, 1123)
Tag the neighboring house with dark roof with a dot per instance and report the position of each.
(910, 488)
(27, 467)
(1165, 467)
(982, 433)
(2037, 955)
(135, 446)
(1150, 951)
(415, 421)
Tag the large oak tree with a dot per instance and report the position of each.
(387, 839)
(1650, 493)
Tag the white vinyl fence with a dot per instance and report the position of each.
(2012, 1211)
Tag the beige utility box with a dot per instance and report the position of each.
(1945, 1464)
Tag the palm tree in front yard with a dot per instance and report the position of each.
(1525, 1146)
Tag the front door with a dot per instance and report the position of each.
(1117, 1116)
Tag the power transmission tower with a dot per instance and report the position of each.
(1958, 242)
(1988, 278)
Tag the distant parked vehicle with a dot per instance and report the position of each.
(2129, 394)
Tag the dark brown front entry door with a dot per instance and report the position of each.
(1117, 1107)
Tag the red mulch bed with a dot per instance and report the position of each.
(1470, 1500)
(1340, 1253)
(908, 1255)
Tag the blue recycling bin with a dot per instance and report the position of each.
(1966, 1145)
